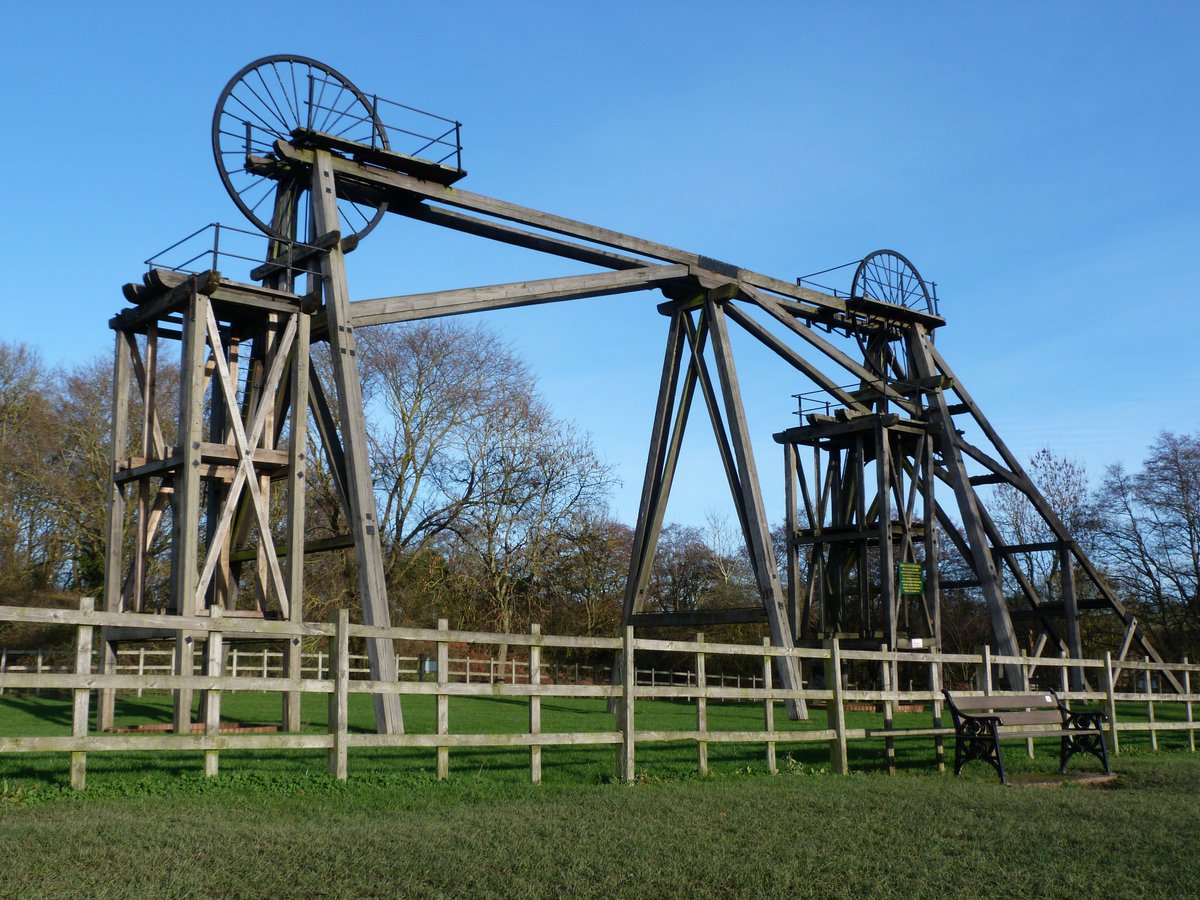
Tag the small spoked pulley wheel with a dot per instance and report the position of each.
(273, 99)
(888, 277)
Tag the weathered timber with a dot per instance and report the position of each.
(758, 536)
(506, 296)
(343, 348)
(424, 169)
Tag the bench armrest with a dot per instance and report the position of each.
(1083, 720)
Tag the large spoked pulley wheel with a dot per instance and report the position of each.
(270, 100)
(888, 277)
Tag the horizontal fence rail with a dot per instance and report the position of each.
(523, 672)
(241, 662)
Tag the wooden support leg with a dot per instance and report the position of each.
(757, 532)
(343, 347)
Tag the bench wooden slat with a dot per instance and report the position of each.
(1036, 717)
(1006, 701)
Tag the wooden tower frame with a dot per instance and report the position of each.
(230, 484)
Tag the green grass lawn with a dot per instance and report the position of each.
(274, 823)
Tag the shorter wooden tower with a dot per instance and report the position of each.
(860, 531)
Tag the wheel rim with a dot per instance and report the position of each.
(266, 101)
(889, 277)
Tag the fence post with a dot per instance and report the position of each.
(769, 708)
(443, 699)
(1028, 668)
(233, 673)
(1150, 706)
(3, 665)
(1187, 690)
(889, 744)
(339, 700)
(835, 712)
(985, 679)
(292, 663)
(80, 696)
(701, 708)
(106, 699)
(141, 668)
(535, 703)
(212, 696)
(935, 686)
(1110, 688)
(37, 691)
(625, 712)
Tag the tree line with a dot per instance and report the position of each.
(493, 510)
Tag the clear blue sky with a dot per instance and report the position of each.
(1038, 160)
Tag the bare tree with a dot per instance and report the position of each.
(1152, 537)
(1064, 484)
(28, 542)
(534, 476)
(434, 389)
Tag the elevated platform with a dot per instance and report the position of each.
(393, 161)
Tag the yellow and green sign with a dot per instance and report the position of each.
(911, 577)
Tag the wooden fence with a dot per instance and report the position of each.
(241, 661)
(1121, 681)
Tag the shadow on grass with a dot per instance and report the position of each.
(50, 710)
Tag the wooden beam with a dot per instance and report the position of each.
(717, 419)
(363, 520)
(513, 294)
(331, 444)
(645, 536)
(519, 237)
(758, 534)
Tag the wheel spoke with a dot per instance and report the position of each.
(269, 102)
(292, 101)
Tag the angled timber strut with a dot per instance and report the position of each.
(884, 492)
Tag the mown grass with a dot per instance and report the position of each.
(273, 823)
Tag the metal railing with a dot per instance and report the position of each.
(227, 249)
(407, 129)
